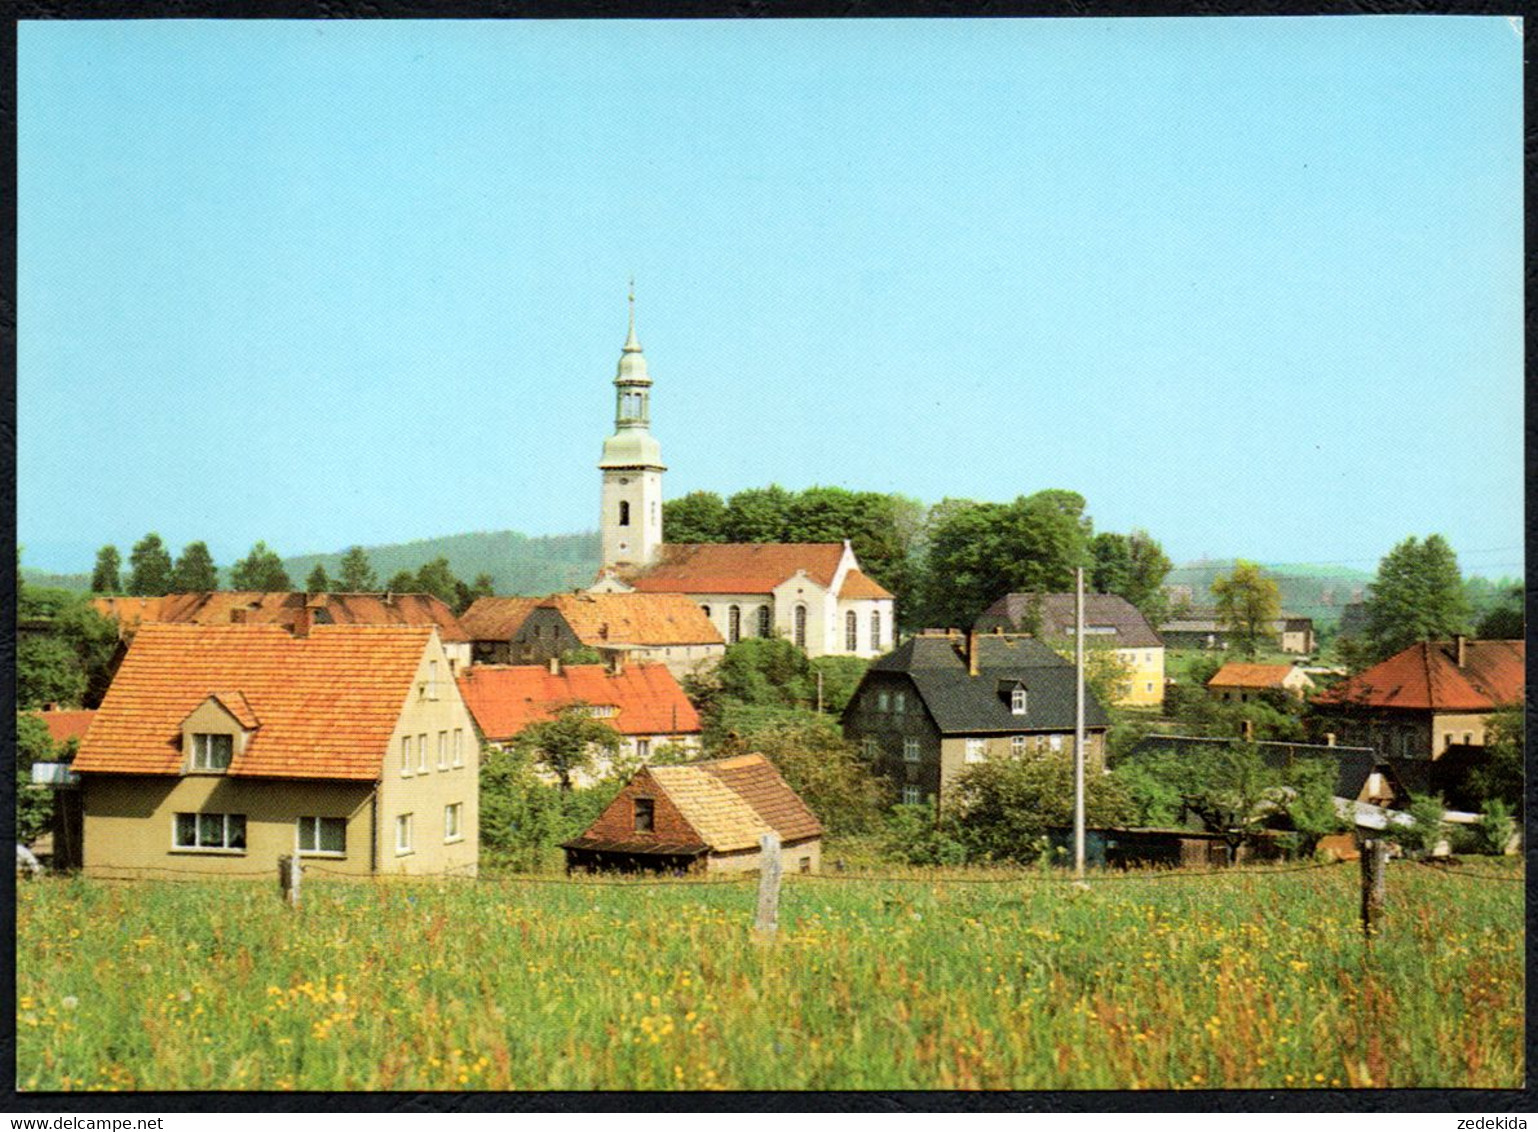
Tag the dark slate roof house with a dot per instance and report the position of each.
(941, 701)
(1105, 615)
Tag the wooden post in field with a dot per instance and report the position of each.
(1374, 885)
(289, 872)
(769, 863)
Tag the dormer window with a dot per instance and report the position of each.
(212, 751)
(1017, 701)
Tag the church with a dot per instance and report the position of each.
(814, 594)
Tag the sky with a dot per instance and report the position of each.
(1251, 284)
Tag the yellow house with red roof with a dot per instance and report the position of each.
(220, 748)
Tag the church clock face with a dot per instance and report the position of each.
(624, 480)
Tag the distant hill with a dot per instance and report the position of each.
(517, 563)
(78, 582)
(1308, 589)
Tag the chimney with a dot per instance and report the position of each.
(1460, 648)
(971, 653)
(301, 628)
(1329, 738)
(616, 662)
(555, 666)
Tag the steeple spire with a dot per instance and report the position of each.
(631, 345)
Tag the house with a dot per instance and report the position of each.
(1238, 683)
(492, 623)
(65, 724)
(1361, 774)
(219, 748)
(643, 702)
(814, 594)
(1110, 620)
(704, 817)
(1428, 697)
(290, 609)
(1201, 628)
(651, 628)
(941, 702)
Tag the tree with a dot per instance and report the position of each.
(523, 821)
(1248, 603)
(1418, 596)
(758, 514)
(566, 744)
(319, 581)
(466, 596)
(699, 516)
(150, 567)
(766, 671)
(1421, 835)
(34, 807)
(104, 579)
(1505, 620)
(841, 675)
(1228, 787)
(261, 570)
(195, 571)
(1499, 777)
(437, 579)
(357, 575)
(1006, 806)
(94, 641)
(402, 582)
(47, 671)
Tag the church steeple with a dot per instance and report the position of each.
(632, 463)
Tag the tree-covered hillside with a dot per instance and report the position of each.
(516, 563)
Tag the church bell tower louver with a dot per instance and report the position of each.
(632, 465)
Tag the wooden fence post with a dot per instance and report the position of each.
(1374, 885)
(289, 872)
(769, 865)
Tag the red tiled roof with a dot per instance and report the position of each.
(504, 699)
(857, 585)
(1426, 677)
(496, 618)
(223, 607)
(735, 567)
(327, 703)
(65, 725)
(635, 619)
(1237, 675)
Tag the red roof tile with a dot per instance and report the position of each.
(504, 699)
(326, 704)
(496, 618)
(635, 619)
(66, 725)
(735, 568)
(1426, 676)
(857, 585)
(224, 607)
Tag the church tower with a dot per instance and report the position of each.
(631, 465)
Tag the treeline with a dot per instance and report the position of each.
(945, 563)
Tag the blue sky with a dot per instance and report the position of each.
(1251, 284)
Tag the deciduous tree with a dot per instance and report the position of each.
(568, 743)
(1248, 603)
(261, 570)
(1417, 596)
(699, 516)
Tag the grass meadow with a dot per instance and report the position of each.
(1242, 980)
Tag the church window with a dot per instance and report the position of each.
(800, 623)
(705, 609)
(875, 630)
(624, 513)
(851, 632)
(733, 624)
(764, 614)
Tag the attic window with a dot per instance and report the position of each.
(602, 711)
(645, 814)
(1017, 701)
(212, 752)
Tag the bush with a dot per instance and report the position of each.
(1005, 806)
(1424, 831)
(914, 837)
(523, 820)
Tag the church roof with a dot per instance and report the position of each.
(735, 567)
(858, 585)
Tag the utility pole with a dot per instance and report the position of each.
(1078, 723)
(819, 691)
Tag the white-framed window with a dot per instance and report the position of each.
(603, 711)
(871, 746)
(800, 624)
(912, 796)
(432, 680)
(851, 631)
(323, 836)
(910, 750)
(765, 628)
(899, 702)
(443, 750)
(422, 753)
(1017, 701)
(875, 630)
(1017, 745)
(977, 750)
(217, 832)
(402, 834)
(1057, 742)
(883, 700)
(733, 624)
(212, 752)
(1148, 658)
(405, 756)
(459, 746)
(451, 819)
(643, 748)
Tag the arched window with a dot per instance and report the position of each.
(733, 624)
(875, 630)
(800, 637)
(851, 632)
(764, 615)
(624, 513)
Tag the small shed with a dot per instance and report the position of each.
(700, 817)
